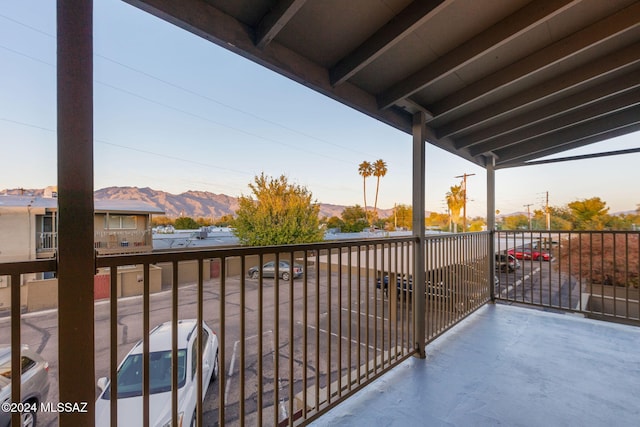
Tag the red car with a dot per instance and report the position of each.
(528, 253)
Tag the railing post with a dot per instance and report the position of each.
(491, 223)
(419, 268)
(76, 255)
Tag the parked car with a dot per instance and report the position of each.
(507, 262)
(34, 383)
(526, 253)
(269, 270)
(438, 286)
(130, 377)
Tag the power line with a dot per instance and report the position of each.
(182, 88)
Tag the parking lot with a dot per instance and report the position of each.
(336, 312)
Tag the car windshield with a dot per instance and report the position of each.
(130, 374)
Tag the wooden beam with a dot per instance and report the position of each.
(615, 25)
(535, 13)
(581, 115)
(547, 144)
(615, 86)
(274, 21)
(405, 23)
(626, 58)
(527, 160)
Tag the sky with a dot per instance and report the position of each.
(175, 113)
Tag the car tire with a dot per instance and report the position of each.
(216, 368)
(254, 275)
(285, 276)
(29, 419)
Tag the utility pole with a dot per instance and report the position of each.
(529, 213)
(548, 214)
(464, 195)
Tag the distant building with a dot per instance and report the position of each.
(28, 226)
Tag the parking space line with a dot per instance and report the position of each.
(519, 282)
(233, 360)
(368, 315)
(341, 337)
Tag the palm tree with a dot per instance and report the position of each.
(455, 201)
(379, 170)
(365, 169)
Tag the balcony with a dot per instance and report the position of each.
(122, 242)
(105, 242)
(321, 347)
(509, 365)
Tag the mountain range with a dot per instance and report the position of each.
(194, 204)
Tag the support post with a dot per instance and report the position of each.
(76, 258)
(491, 222)
(419, 267)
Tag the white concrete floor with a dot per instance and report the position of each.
(510, 366)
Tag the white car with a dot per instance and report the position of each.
(34, 384)
(130, 377)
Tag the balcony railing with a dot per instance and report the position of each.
(291, 347)
(592, 272)
(105, 242)
(47, 241)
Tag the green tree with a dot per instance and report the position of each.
(365, 169)
(355, 219)
(439, 220)
(379, 171)
(455, 202)
(278, 214)
(224, 221)
(186, 223)
(203, 221)
(589, 214)
(515, 222)
(335, 223)
(403, 216)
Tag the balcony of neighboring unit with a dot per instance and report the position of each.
(122, 242)
(46, 244)
(106, 243)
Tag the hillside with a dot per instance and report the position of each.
(193, 204)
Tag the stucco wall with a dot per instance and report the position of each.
(17, 241)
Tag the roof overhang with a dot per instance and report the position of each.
(514, 81)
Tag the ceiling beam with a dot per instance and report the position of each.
(535, 13)
(581, 115)
(584, 156)
(274, 21)
(527, 160)
(614, 25)
(560, 139)
(542, 93)
(405, 23)
(612, 87)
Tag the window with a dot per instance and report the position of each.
(25, 365)
(120, 222)
(194, 350)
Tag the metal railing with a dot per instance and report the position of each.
(591, 272)
(103, 239)
(47, 240)
(118, 239)
(289, 347)
(458, 279)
